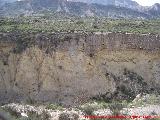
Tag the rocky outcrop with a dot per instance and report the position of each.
(70, 68)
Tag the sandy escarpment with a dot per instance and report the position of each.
(70, 68)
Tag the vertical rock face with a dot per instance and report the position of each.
(71, 68)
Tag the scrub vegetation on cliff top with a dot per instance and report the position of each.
(44, 24)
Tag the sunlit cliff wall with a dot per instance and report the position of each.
(70, 68)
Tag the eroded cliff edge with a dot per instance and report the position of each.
(70, 68)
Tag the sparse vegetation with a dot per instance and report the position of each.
(88, 109)
(116, 108)
(4, 115)
(43, 24)
(148, 99)
(68, 116)
(54, 107)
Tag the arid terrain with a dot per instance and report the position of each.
(79, 60)
(71, 69)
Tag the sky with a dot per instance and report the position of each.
(147, 2)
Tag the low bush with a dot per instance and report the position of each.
(54, 107)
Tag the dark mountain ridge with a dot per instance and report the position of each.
(42, 7)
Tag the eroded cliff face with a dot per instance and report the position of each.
(71, 68)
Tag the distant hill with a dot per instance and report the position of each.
(110, 8)
(123, 3)
(154, 10)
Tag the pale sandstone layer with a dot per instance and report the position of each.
(70, 68)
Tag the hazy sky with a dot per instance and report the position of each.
(147, 2)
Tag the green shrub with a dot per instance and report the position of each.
(54, 107)
(68, 116)
(116, 108)
(5, 115)
(88, 109)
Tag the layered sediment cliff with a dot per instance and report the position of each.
(70, 68)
